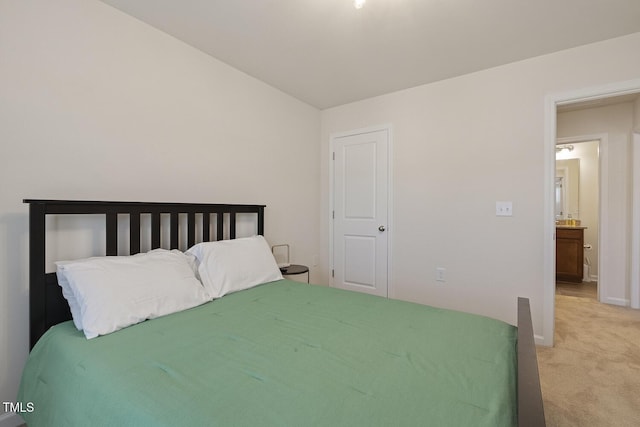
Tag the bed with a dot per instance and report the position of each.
(281, 353)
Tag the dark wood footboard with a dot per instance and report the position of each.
(530, 408)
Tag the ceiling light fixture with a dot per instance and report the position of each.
(358, 4)
(560, 148)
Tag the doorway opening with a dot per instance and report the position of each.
(577, 216)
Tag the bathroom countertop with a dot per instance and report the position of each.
(580, 227)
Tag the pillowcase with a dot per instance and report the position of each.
(228, 266)
(67, 293)
(114, 292)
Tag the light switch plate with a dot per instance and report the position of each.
(504, 208)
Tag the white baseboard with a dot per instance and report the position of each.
(10, 419)
(617, 301)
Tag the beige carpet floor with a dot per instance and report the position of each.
(584, 289)
(591, 377)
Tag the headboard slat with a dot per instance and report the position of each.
(112, 233)
(155, 230)
(134, 233)
(206, 226)
(191, 228)
(173, 231)
(232, 225)
(48, 307)
(220, 226)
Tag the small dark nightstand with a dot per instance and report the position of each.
(295, 269)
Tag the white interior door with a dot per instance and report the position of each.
(360, 216)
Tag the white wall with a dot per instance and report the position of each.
(616, 123)
(461, 145)
(96, 105)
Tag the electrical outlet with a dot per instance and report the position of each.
(440, 274)
(504, 208)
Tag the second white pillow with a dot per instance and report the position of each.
(228, 266)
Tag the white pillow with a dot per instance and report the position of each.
(227, 266)
(115, 292)
(67, 293)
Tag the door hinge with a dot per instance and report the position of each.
(334, 155)
(333, 214)
(333, 273)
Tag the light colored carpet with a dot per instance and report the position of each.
(591, 377)
(584, 289)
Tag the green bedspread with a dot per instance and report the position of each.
(280, 354)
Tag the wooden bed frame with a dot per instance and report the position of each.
(47, 306)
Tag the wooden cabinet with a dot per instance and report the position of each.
(569, 254)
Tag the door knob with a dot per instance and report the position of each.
(381, 228)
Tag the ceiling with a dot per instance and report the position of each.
(328, 53)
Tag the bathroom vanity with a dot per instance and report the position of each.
(569, 253)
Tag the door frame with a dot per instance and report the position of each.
(390, 224)
(635, 221)
(551, 103)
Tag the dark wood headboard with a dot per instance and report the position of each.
(47, 306)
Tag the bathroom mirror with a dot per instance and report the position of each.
(567, 188)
